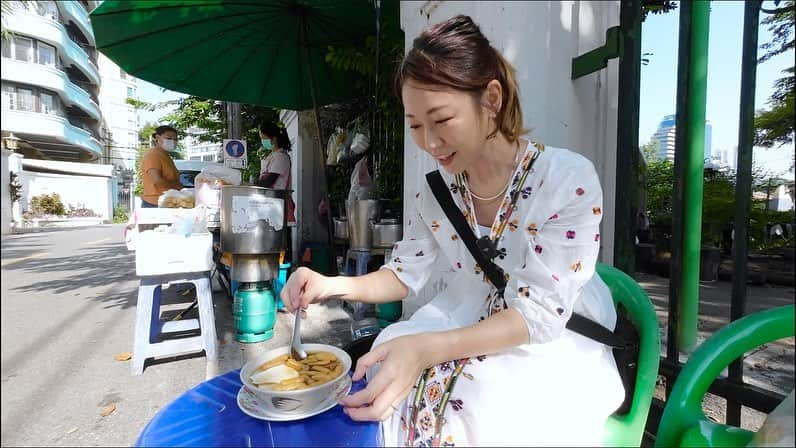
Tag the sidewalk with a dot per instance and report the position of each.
(770, 366)
(68, 307)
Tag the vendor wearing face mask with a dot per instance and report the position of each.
(159, 172)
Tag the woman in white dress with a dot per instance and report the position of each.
(474, 367)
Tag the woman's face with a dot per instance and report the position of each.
(448, 124)
(266, 137)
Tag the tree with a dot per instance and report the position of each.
(650, 150)
(656, 7)
(775, 125)
(144, 143)
(659, 187)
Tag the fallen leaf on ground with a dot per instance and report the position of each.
(123, 356)
(71, 430)
(108, 410)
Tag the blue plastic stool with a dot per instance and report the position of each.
(356, 264)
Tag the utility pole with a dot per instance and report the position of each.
(233, 120)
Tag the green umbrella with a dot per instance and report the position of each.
(263, 52)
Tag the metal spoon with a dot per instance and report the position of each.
(296, 349)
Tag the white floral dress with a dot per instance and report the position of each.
(560, 387)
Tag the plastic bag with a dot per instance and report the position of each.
(360, 143)
(333, 146)
(177, 199)
(777, 430)
(218, 176)
(186, 225)
(362, 185)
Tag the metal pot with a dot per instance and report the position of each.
(386, 233)
(341, 228)
(253, 220)
(361, 214)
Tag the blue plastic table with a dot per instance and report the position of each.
(208, 415)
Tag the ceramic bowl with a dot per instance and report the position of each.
(300, 401)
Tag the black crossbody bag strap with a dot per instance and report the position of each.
(577, 323)
(456, 218)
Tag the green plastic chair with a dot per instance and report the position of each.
(628, 429)
(683, 422)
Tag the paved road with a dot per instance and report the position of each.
(68, 306)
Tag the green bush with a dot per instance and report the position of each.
(47, 204)
(120, 215)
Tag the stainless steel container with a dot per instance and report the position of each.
(341, 228)
(253, 220)
(254, 268)
(386, 233)
(361, 214)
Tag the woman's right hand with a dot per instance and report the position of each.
(304, 287)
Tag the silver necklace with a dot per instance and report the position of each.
(503, 190)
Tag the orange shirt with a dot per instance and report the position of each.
(158, 159)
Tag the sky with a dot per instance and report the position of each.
(659, 80)
(153, 94)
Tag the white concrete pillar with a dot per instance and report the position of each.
(5, 198)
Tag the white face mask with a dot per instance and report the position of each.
(169, 145)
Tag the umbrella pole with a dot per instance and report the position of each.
(329, 223)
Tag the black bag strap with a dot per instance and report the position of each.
(456, 218)
(577, 323)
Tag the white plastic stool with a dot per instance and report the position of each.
(149, 327)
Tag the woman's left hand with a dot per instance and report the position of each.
(402, 361)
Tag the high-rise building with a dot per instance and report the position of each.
(120, 118)
(51, 81)
(665, 136)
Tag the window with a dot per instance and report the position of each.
(26, 100)
(23, 49)
(130, 92)
(6, 48)
(9, 97)
(46, 54)
(48, 104)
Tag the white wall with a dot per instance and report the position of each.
(92, 192)
(539, 38)
(782, 201)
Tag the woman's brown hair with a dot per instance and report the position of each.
(456, 54)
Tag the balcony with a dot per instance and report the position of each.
(52, 32)
(52, 79)
(52, 134)
(76, 13)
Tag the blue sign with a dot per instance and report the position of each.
(234, 148)
(235, 153)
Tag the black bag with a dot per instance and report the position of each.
(624, 340)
